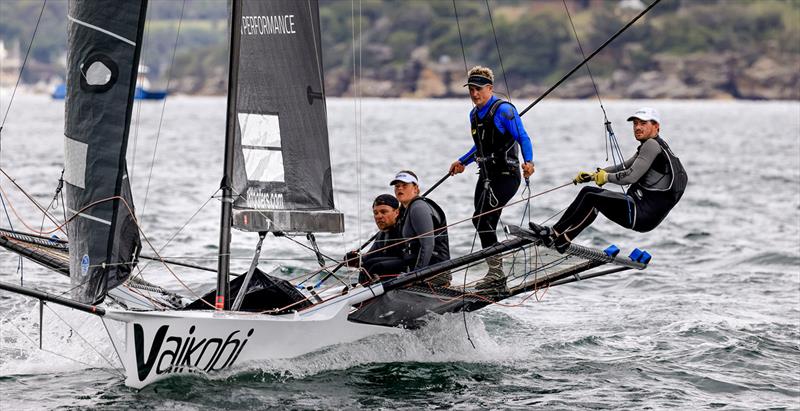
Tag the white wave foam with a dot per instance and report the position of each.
(67, 347)
(443, 339)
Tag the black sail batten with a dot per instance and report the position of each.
(104, 44)
(282, 168)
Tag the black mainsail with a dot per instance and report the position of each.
(103, 56)
(282, 169)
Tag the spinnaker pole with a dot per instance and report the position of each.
(53, 298)
(223, 263)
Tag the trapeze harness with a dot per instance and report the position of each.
(642, 208)
(659, 189)
(496, 155)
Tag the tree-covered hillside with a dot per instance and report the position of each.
(684, 48)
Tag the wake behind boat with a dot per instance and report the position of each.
(276, 179)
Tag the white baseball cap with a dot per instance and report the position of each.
(646, 114)
(405, 177)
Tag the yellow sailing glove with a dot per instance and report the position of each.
(582, 177)
(600, 177)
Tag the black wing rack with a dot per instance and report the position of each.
(529, 265)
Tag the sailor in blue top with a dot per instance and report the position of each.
(497, 131)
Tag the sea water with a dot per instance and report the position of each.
(714, 322)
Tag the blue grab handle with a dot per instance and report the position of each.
(640, 256)
(612, 250)
(645, 257)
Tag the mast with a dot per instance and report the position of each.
(223, 262)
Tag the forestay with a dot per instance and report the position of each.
(282, 169)
(102, 63)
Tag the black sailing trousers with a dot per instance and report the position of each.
(616, 206)
(501, 188)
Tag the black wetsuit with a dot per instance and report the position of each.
(384, 248)
(496, 155)
(657, 180)
(422, 216)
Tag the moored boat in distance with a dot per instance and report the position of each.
(143, 89)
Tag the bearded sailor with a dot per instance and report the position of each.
(657, 181)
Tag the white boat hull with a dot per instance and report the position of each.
(159, 344)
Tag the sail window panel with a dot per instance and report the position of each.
(264, 165)
(260, 130)
(98, 74)
(261, 146)
(75, 162)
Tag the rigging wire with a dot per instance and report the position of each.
(108, 332)
(320, 71)
(472, 247)
(586, 60)
(357, 106)
(139, 104)
(84, 339)
(497, 47)
(59, 227)
(611, 140)
(19, 258)
(21, 70)
(90, 205)
(163, 107)
(460, 38)
(20, 263)
(183, 226)
(62, 355)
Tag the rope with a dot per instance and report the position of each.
(83, 338)
(20, 264)
(148, 25)
(119, 357)
(611, 141)
(163, 107)
(135, 220)
(185, 224)
(33, 200)
(574, 69)
(357, 106)
(62, 355)
(21, 70)
(460, 38)
(499, 56)
(434, 231)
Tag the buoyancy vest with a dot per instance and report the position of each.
(384, 243)
(666, 176)
(441, 243)
(496, 151)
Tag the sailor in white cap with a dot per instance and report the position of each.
(657, 180)
(423, 226)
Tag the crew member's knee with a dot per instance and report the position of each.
(590, 190)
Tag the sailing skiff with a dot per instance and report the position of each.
(276, 179)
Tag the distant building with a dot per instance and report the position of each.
(10, 63)
(633, 5)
